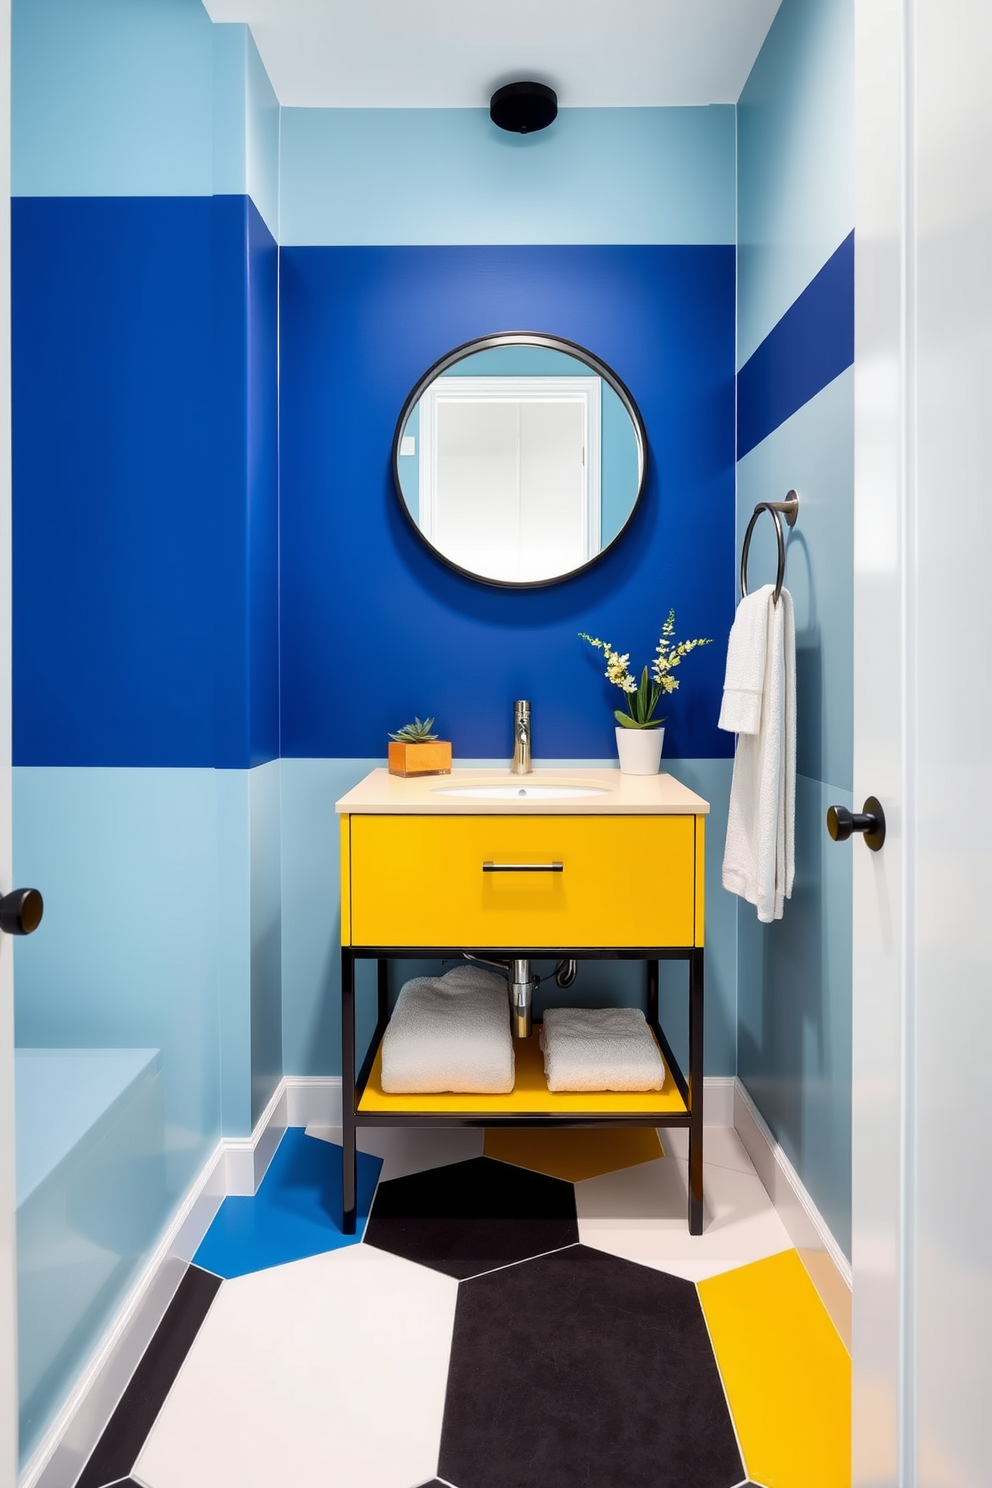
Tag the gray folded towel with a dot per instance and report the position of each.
(600, 1049)
(450, 1033)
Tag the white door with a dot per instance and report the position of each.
(8, 1293)
(922, 1199)
(510, 473)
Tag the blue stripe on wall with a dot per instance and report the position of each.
(811, 345)
(374, 628)
(145, 536)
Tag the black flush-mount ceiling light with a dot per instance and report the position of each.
(523, 108)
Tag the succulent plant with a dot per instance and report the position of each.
(416, 732)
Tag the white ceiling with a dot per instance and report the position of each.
(453, 53)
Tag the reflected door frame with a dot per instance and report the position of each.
(585, 391)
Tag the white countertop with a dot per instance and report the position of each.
(622, 795)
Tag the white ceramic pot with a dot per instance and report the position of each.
(639, 750)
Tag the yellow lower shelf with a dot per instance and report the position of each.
(530, 1096)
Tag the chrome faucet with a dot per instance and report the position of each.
(520, 764)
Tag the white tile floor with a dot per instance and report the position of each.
(639, 1214)
(411, 1149)
(285, 1384)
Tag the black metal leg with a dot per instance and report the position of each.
(349, 1204)
(383, 974)
(652, 991)
(696, 1092)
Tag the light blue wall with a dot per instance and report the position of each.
(160, 932)
(131, 860)
(409, 176)
(265, 901)
(261, 180)
(795, 180)
(813, 452)
(245, 123)
(90, 1153)
(795, 184)
(113, 98)
(794, 1006)
(161, 885)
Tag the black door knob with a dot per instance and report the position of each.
(842, 823)
(21, 911)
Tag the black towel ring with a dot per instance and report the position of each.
(789, 508)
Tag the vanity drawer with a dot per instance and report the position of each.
(423, 881)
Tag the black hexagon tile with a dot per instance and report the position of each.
(583, 1368)
(472, 1217)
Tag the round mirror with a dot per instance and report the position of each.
(519, 458)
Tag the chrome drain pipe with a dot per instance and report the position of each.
(522, 986)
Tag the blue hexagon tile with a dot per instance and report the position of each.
(295, 1213)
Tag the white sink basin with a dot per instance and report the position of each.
(538, 791)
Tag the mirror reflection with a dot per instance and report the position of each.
(519, 459)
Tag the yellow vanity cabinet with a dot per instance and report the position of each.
(567, 864)
(508, 881)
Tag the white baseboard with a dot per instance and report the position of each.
(718, 1100)
(316, 1100)
(313, 1100)
(828, 1267)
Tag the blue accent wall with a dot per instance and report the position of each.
(363, 601)
(144, 407)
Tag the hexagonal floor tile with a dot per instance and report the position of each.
(573, 1152)
(640, 1214)
(786, 1371)
(326, 1371)
(581, 1368)
(295, 1213)
(410, 1149)
(472, 1217)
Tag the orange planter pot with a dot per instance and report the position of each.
(420, 759)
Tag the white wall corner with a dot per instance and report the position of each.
(828, 1267)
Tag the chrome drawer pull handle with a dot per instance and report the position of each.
(523, 867)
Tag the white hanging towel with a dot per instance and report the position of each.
(759, 705)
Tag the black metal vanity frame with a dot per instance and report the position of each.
(691, 1090)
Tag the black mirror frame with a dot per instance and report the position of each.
(546, 343)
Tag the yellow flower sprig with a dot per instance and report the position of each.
(670, 653)
(643, 697)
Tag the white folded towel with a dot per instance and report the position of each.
(759, 858)
(744, 681)
(600, 1049)
(450, 1033)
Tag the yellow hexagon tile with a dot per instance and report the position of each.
(573, 1152)
(786, 1373)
